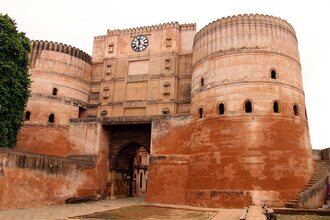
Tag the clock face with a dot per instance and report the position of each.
(139, 43)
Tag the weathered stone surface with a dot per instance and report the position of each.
(238, 158)
(33, 179)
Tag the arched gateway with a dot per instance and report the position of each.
(129, 150)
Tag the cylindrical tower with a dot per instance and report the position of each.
(60, 76)
(250, 141)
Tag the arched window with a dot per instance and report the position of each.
(166, 90)
(202, 82)
(165, 111)
(51, 118)
(221, 109)
(27, 116)
(276, 107)
(54, 91)
(248, 107)
(200, 111)
(104, 113)
(295, 109)
(106, 92)
(273, 74)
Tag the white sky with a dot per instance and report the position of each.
(76, 23)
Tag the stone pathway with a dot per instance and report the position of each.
(61, 212)
(255, 213)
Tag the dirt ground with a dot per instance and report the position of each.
(141, 212)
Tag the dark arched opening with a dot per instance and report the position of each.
(200, 112)
(202, 82)
(221, 109)
(27, 116)
(54, 91)
(51, 118)
(248, 107)
(165, 111)
(296, 110)
(132, 166)
(273, 74)
(276, 107)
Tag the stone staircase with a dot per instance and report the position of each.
(322, 168)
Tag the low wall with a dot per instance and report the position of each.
(315, 196)
(316, 154)
(30, 180)
(325, 154)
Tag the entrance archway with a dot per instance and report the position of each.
(132, 163)
(128, 160)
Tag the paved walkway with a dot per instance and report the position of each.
(255, 213)
(65, 211)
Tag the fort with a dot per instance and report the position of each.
(215, 118)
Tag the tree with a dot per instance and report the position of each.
(14, 80)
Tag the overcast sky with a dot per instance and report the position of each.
(77, 22)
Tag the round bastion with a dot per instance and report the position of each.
(250, 131)
(60, 76)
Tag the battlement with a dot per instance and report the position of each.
(61, 48)
(251, 19)
(189, 26)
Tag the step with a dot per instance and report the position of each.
(293, 201)
(291, 205)
(305, 188)
(310, 183)
(319, 176)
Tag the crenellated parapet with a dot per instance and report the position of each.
(236, 33)
(176, 25)
(100, 37)
(189, 26)
(251, 20)
(37, 45)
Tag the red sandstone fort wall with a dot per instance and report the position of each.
(168, 166)
(28, 180)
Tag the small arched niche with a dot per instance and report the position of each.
(166, 111)
(51, 118)
(273, 73)
(221, 108)
(248, 107)
(27, 116)
(200, 112)
(202, 82)
(55, 91)
(276, 106)
(296, 109)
